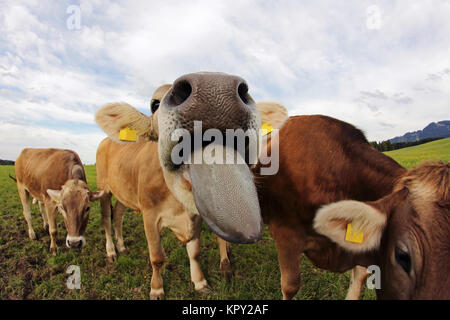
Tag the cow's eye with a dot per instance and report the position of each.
(403, 259)
(155, 105)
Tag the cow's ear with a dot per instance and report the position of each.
(357, 226)
(353, 225)
(55, 195)
(94, 196)
(123, 123)
(272, 113)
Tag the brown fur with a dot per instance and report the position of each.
(132, 173)
(42, 169)
(322, 160)
(419, 218)
(38, 170)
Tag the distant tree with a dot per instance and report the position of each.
(6, 162)
(387, 145)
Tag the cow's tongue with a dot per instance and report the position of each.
(226, 198)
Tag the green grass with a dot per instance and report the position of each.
(29, 271)
(412, 156)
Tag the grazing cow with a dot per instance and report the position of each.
(56, 179)
(323, 160)
(214, 97)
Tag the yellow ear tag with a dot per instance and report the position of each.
(266, 128)
(127, 134)
(353, 235)
(56, 200)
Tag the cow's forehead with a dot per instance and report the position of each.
(420, 213)
(75, 191)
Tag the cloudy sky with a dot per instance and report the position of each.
(381, 65)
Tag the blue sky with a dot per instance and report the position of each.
(381, 65)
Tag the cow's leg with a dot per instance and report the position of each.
(25, 200)
(52, 213)
(119, 211)
(289, 249)
(44, 216)
(225, 254)
(105, 203)
(289, 260)
(193, 250)
(156, 251)
(357, 278)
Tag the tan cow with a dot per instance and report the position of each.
(222, 102)
(133, 174)
(56, 179)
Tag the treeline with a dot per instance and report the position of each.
(387, 145)
(6, 162)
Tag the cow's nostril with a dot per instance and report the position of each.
(75, 244)
(243, 92)
(180, 92)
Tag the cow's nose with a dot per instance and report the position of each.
(74, 244)
(181, 91)
(220, 100)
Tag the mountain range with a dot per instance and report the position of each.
(439, 129)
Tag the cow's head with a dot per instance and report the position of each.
(73, 202)
(408, 230)
(224, 195)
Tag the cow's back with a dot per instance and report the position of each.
(325, 160)
(321, 160)
(132, 172)
(42, 169)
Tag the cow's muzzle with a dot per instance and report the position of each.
(75, 242)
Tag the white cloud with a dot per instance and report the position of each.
(14, 137)
(314, 57)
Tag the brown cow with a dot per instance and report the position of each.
(133, 174)
(324, 160)
(56, 179)
(406, 233)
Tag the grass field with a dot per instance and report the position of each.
(412, 156)
(29, 271)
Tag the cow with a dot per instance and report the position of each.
(330, 176)
(56, 179)
(149, 188)
(184, 102)
(131, 172)
(321, 160)
(405, 233)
